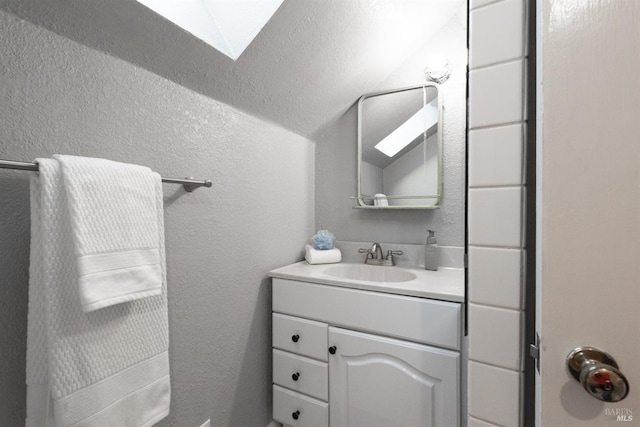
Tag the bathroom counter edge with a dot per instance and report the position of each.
(446, 284)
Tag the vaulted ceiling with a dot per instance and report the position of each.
(307, 66)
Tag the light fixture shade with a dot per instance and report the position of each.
(438, 69)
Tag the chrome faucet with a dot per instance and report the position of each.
(375, 257)
(376, 251)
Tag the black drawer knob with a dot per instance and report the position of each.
(296, 415)
(333, 349)
(295, 338)
(295, 376)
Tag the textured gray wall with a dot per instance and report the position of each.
(336, 156)
(301, 71)
(61, 97)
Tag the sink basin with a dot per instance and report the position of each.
(370, 273)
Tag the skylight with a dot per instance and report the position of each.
(227, 25)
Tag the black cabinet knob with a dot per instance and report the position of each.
(333, 349)
(296, 415)
(295, 376)
(295, 338)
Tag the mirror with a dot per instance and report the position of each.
(400, 149)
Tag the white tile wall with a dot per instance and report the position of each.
(493, 43)
(474, 422)
(496, 95)
(496, 156)
(496, 218)
(495, 335)
(496, 214)
(497, 276)
(494, 394)
(478, 3)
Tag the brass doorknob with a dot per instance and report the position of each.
(598, 373)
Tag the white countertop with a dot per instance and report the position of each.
(446, 284)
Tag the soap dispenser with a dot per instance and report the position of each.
(431, 252)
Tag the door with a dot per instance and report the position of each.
(380, 382)
(588, 213)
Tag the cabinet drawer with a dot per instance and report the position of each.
(416, 319)
(289, 405)
(301, 374)
(301, 336)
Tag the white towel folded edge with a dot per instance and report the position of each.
(143, 389)
(113, 278)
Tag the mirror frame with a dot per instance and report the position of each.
(360, 197)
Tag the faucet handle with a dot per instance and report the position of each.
(366, 251)
(389, 257)
(391, 253)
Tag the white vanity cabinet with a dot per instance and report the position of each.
(347, 357)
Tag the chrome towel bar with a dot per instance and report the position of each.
(189, 184)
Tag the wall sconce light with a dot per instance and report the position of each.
(438, 69)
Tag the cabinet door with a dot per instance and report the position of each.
(378, 381)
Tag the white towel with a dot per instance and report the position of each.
(380, 200)
(108, 367)
(113, 213)
(329, 256)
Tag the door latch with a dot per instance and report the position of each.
(534, 351)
